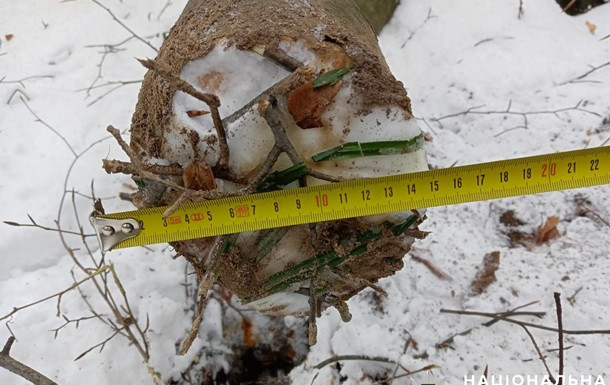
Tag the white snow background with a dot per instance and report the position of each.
(466, 54)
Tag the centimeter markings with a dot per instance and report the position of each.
(478, 182)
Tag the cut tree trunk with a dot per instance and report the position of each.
(236, 84)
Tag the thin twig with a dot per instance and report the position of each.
(188, 341)
(404, 351)
(101, 345)
(39, 120)
(101, 288)
(353, 357)
(125, 26)
(560, 335)
(169, 2)
(508, 111)
(412, 33)
(22, 81)
(593, 69)
(521, 11)
(570, 4)
(540, 355)
(541, 327)
(56, 295)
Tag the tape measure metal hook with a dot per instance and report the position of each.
(111, 232)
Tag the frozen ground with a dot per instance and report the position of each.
(451, 56)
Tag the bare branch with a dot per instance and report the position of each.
(58, 294)
(476, 110)
(353, 357)
(584, 75)
(22, 81)
(101, 345)
(39, 120)
(429, 17)
(501, 317)
(45, 228)
(188, 341)
(540, 355)
(22, 370)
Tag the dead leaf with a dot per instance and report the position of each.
(196, 113)
(9, 37)
(414, 345)
(487, 273)
(509, 219)
(592, 27)
(548, 231)
(306, 104)
(428, 137)
(199, 176)
(249, 339)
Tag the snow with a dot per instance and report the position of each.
(463, 56)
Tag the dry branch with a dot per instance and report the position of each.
(560, 332)
(500, 317)
(133, 34)
(476, 110)
(22, 370)
(57, 295)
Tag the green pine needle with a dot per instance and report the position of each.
(331, 77)
(357, 150)
(278, 179)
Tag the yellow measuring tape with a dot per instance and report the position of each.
(355, 198)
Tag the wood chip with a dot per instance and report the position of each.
(199, 176)
(306, 104)
(592, 27)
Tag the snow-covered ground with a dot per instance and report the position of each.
(451, 56)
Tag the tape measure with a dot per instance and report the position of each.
(356, 198)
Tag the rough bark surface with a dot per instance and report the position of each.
(378, 12)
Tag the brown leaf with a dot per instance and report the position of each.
(199, 176)
(196, 113)
(592, 27)
(487, 273)
(414, 345)
(428, 137)
(9, 37)
(509, 219)
(306, 104)
(249, 339)
(548, 231)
